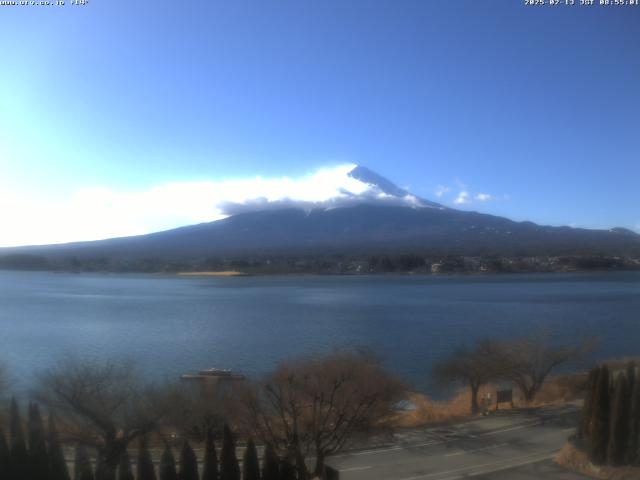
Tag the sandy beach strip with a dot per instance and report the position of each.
(228, 273)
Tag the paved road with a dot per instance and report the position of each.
(515, 446)
(546, 470)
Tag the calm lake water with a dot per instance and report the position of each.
(172, 325)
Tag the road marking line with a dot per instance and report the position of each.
(425, 444)
(409, 446)
(514, 465)
(511, 429)
(355, 469)
(569, 429)
(389, 449)
(471, 467)
(462, 452)
(369, 452)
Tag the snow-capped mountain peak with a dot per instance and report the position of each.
(386, 187)
(343, 186)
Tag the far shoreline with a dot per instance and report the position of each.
(238, 273)
(225, 273)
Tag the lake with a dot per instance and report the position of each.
(171, 325)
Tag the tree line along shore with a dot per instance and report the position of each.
(326, 264)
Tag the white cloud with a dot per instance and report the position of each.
(96, 213)
(465, 195)
(463, 198)
(441, 190)
(484, 197)
(460, 184)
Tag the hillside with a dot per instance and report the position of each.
(387, 220)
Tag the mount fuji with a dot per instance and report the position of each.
(368, 215)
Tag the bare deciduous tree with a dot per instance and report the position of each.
(314, 406)
(527, 362)
(472, 366)
(197, 409)
(103, 405)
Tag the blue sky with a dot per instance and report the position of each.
(532, 111)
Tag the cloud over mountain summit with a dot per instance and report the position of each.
(100, 212)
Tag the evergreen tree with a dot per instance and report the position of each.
(229, 468)
(287, 472)
(631, 375)
(101, 468)
(145, 469)
(168, 465)
(584, 428)
(38, 455)
(19, 462)
(250, 464)
(5, 456)
(57, 463)
(599, 439)
(124, 467)
(82, 465)
(188, 463)
(270, 464)
(633, 444)
(210, 468)
(619, 426)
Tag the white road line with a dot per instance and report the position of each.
(389, 449)
(471, 467)
(463, 452)
(428, 444)
(511, 429)
(368, 452)
(546, 456)
(355, 469)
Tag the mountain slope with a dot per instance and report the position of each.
(364, 228)
(408, 225)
